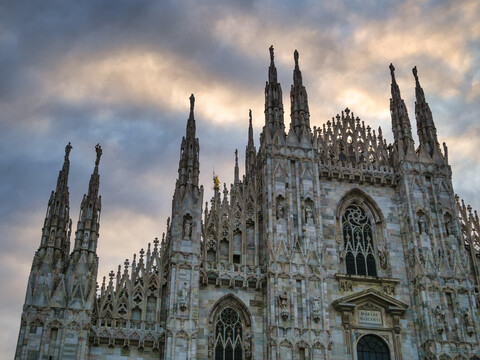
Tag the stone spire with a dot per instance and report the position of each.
(250, 151)
(401, 127)
(188, 168)
(236, 170)
(427, 133)
(86, 236)
(300, 116)
(274, 125)
(57, 226)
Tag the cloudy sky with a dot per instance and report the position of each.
(120, 73)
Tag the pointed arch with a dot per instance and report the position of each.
(360, 197)
(360, 233)
(232, 301)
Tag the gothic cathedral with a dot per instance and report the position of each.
(333, 245)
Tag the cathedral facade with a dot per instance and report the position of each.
(333, 245)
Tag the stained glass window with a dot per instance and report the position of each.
(228, 336)
(358, 241)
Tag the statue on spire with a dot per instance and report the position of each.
(414, 71)
(192, 102)
(392, 72)
(271, 53)
(98, 150)
(295, 57)
(68, 148)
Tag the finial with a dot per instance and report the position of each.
(98, 149)
(414, 71)
(192, 102)
(68, 148)
(142, 252)
(295, 57)
(250, 115)
(271, 53)
(126, 263)
(236, 157)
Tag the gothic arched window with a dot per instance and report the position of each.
(228, 335)
(371, 347)
(358, 241)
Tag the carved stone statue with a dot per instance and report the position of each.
(183, 296)
(211, 346)
(382, 257)
(187, 229)
(283, 302)
(468, 323)
(247, 345)
(280, 212)
(308, 215)
(85, 240)
(440, 316)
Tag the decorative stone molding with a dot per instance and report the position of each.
(347, 282)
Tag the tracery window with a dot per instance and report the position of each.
(358, 241)
(371, 347)
(228, 335)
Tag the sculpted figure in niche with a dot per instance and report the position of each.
(422, 223)
(182, 296)
(468, 323)
(187, 228)
(280, 211)
(283, 303)
(85, 240)
(308, 215)
(51, 239)
(247, 345)
(382, 256)
(211, 346)
(440, 316)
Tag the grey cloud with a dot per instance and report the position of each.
(141, 141)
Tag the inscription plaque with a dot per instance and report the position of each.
(370, 317)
